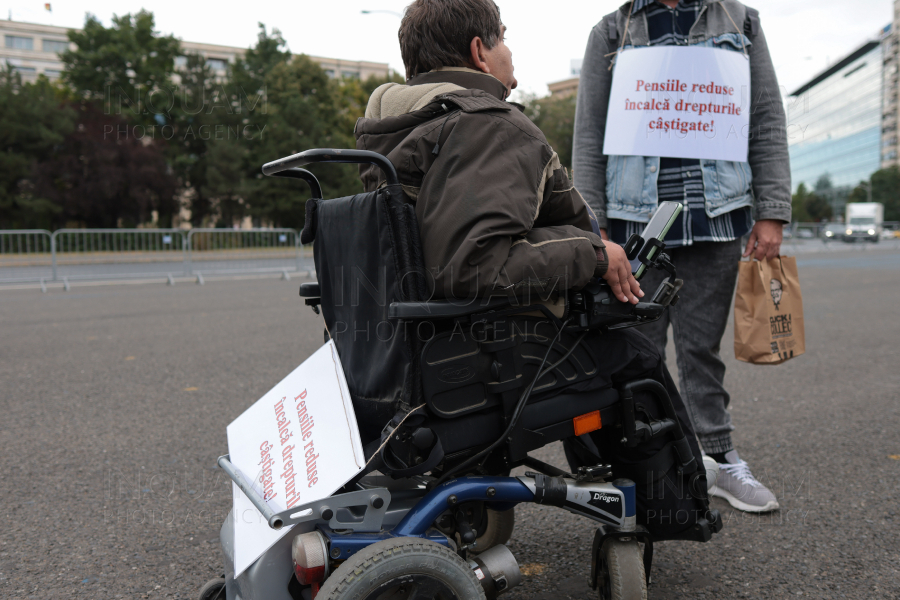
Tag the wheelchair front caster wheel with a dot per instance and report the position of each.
(403, 568)
(621, 575)
(214, 589)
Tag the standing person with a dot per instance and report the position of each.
(721, 200)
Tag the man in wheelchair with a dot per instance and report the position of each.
(479, 316)
(498, 215)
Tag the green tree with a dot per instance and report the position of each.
(285, 104)
(373, 82)
(224, 185)
(128, 66)
(823, 185)
(304, 109)
(885, 189)
(818, 208)
(233, 181)
(203, 116)
(859, 194)
(250, 72)
(103, 176)
(798, 204)
(808, 206)
(34, 122)
(556, 118)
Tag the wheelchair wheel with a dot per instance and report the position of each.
(621, 575)
(499, 529)
(403, 569)
(214, 589)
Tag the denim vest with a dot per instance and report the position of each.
(631, 192)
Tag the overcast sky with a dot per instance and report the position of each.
(804, 35)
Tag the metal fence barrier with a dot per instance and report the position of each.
(241, 251)
(26, 255)
(92, 254)
(116, 253)
(36, 255)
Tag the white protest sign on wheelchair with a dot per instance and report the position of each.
(679, 102)
(297, 444)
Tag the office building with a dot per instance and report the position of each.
(891, 107)
(837, 122)
(33, 49)
(567, 87)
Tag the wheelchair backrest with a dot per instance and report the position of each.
(367, 256)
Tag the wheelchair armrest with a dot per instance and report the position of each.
(443, 309)
(310, 290)
(595, 306)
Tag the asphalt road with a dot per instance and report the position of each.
(115, 399)
(99, 270)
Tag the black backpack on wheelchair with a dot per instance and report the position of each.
(470, 387)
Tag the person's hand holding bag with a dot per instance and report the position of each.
(765, 239)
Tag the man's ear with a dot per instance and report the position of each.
(477, 55)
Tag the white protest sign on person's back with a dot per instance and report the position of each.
(679, 102)
(297, 444)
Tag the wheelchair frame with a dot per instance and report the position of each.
(372, 509)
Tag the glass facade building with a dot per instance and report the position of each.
(835, 121)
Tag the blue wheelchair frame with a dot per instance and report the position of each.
(346, 537)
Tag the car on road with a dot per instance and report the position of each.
(833, 231)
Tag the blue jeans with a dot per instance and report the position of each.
(709, 271)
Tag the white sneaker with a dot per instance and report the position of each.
(712, 471)
(736, 484)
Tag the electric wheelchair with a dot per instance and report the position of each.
(450, 395)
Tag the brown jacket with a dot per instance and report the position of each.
(496, 211)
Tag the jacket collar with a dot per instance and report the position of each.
(640, 5)
(463, 77)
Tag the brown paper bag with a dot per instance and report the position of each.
(768, 312)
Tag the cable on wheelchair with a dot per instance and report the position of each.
(520, 406)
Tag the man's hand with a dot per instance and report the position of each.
(618, 275)
(603, 235)
(765, 239)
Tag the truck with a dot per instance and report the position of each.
(864, 221)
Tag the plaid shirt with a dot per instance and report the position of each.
(680, 179)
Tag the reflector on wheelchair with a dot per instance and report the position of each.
(587, 423)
